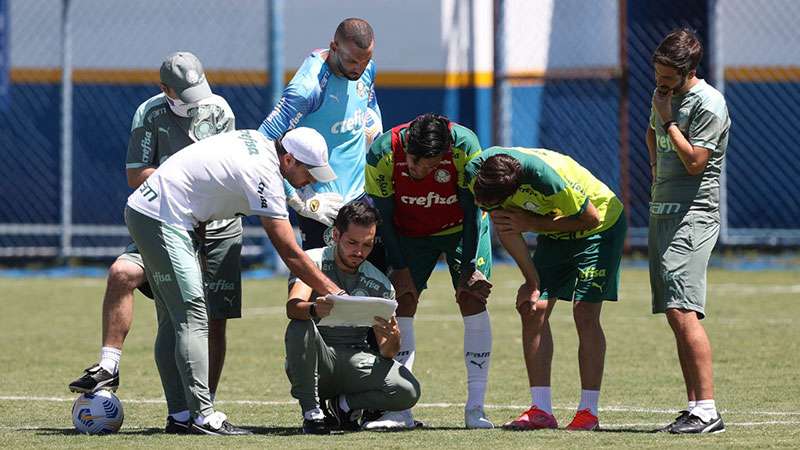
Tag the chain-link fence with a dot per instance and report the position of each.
(577, 75)
(581, 82)
(79, 70)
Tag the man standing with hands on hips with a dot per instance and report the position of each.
(686, 141)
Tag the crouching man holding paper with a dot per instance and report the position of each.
(327, 354)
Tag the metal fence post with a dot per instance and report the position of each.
(66, 132)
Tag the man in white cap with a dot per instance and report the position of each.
(234, 174)
(184, 112)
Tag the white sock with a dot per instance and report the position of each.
(705, 409)
(542, 398)
(313, 414)
(589, 400)
(109, 359)
(477, 356)
(408, 343)
(343, 404)
(181, 416)
(690, 406)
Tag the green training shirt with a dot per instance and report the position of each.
(554, 184)
(702, 117)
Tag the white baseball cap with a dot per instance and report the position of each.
(308, 146)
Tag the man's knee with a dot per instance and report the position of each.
(586, 315)
(680, 320)
(407, 306)
(470, 304)
(298, 332)
(125, 276)
(406, 391)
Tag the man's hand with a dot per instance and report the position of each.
(511, 221)
(474, 284)
(403, 283)
(322, 207)
(323, 307)
(527, 296)
(662, 103)
(386, 329)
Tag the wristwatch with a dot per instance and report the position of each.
(668, 124)
(312, 310)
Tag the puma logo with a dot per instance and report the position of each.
(479, 364)
(598, 286)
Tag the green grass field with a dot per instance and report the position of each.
(51, 331)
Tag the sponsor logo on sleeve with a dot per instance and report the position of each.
(148, 192)
(261, 187)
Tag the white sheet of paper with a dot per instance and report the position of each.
(351, 311)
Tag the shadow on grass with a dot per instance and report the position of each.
(264, 431)
(625, 430)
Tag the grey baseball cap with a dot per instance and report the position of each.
(183, 72)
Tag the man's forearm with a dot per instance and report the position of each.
(563, 224)
(691, 157)
(515, 245)
(471, 230)
(138, 176)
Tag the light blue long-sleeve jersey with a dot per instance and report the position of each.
(337, 108)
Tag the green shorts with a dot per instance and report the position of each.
(223, 276)
(422, 254)
(679, 249)
(586, 269)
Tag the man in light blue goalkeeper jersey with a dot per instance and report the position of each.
(333, 93)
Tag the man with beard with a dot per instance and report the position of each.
(333, 92)
(336, 363)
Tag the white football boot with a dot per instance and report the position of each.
(475, 418)
(393, 420)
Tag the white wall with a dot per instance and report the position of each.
(759, 32)
(561, 34)
(411, 35)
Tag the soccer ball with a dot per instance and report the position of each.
(97, 413)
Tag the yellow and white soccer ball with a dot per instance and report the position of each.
(97, 413)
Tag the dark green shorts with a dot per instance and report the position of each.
(223, 277)
(586, 269)
(679, 247)
(422, 254)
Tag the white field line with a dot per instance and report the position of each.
(613, 408)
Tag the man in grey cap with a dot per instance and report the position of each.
(230, 175)
(183, 113)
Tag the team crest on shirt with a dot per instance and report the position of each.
(359, 293)
(361, 89)
(204, 121)
(313, 205)
(442, 176)
(531, 206)
(327, 236)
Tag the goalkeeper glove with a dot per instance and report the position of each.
(322, 207)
